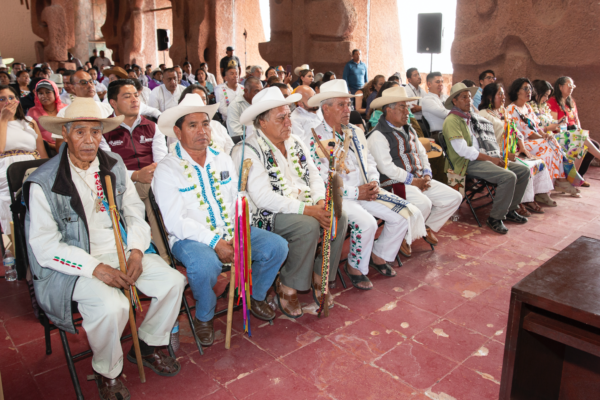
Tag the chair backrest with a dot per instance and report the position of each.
(442, 142)
(161, 225)
(236, 139)
(356, 119)
(426, 128)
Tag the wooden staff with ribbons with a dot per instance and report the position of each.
(123, 265)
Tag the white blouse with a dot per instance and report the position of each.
(20, 135)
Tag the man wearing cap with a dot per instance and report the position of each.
(252, 86)
(364, 201)
(402, 158)
(287, 197)
(230, 61)
(196, 188)
(226, 92)
(355, 72)
(304, 117)
(166, 95)
(73, 255)
(473, 151)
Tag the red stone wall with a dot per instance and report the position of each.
(534, 39)
(247, 16)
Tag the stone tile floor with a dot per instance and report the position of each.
(436, 331)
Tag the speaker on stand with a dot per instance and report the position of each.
(162, 41)
(429, 35)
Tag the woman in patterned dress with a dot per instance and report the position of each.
(538, 141)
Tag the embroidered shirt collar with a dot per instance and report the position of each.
(186, 156)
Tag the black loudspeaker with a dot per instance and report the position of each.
(162, 39)
(429, 33)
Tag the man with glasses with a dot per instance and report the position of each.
(432, 104)
(82, 85)
(485, 78)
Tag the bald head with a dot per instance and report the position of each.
(307, 93)
(83, 85)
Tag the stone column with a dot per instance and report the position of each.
(83, 25)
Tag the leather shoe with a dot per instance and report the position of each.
(405, 249)
(261, 310)
(496, 225)
(205, 332)
(158, 362)
(430, 238)
(515, 217)
(110, 388)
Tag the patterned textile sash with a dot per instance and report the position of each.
(535, 166)
(12, 153)
(263, 218)
(573, 143)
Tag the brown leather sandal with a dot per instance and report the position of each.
(318, 286)
(292, 300)
(158, 362)
(110, 389)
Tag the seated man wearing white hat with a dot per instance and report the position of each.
(401, 157)
(73, 254)
(363, 199)
(474, 151)
(287, 197)
(196, 188)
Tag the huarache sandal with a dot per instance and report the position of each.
(566, 187)
(317, 286)
(356, 279)
(158, 362)
(383, 269)
(292, 300)
(544, 198)
(523, 211)
(110, 389)
(534, 208)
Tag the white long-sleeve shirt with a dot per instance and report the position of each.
(235, 110)
(353, 179)
(224, 95)
(412, 91)
(379, 147)
(303, 121)
(462, 148)
(162, 99)
(434, 111)
(221, 140)
(180, 205)
(46, 241)
(259, 186)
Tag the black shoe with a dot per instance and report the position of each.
(497, 225)
(515, 217)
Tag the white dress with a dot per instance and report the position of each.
(20, 144)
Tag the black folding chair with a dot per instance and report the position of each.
(474, 186)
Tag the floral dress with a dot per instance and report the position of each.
(559, 166)
(572, 141)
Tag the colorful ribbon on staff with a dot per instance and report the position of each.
(510, 140)
(327, 235)
(242, 258)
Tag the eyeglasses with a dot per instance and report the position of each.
(526, 89)
(83, 82)
(490, 78)
(571, 85)
(9, 98)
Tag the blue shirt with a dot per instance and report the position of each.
(355, 74)
(477, 98)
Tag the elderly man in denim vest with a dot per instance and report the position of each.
(73, 254)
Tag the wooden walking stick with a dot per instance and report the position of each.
(123, 265)
(232, 282)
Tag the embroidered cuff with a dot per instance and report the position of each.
(409, 178)
(427, 171)
(301, 208)
(214, 241)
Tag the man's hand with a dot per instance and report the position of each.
(319, 213)
(112, 277)
(224, 250)
(145, 174)
(134, 264)
(420, 183)
(368, 191)
(498, 161)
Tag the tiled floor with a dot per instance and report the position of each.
(436, 331)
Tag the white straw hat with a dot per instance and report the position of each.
(300, 68)
(265, 100)
(455, 91)
(391, 95)
(330, 90)
(191, 103)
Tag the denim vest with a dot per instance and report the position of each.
(53, 289)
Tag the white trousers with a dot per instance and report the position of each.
(105, 310)
(362, 220)
(437, 204)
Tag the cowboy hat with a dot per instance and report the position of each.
(191, 103)
(58, 80)
(300, 68)
(455, 91)
(265, 100)
(434, 150)
(391, 95)
(118, 71)
(81, 109)
(330, 90)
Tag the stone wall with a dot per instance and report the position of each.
(534, 39)
(17, 38)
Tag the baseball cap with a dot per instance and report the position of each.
(230, 48)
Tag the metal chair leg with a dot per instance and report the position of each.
(473, 211)
(339, 273)
(189, 314)
(398, 260)
(71, 365)
(432, 247)
(46, 324)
